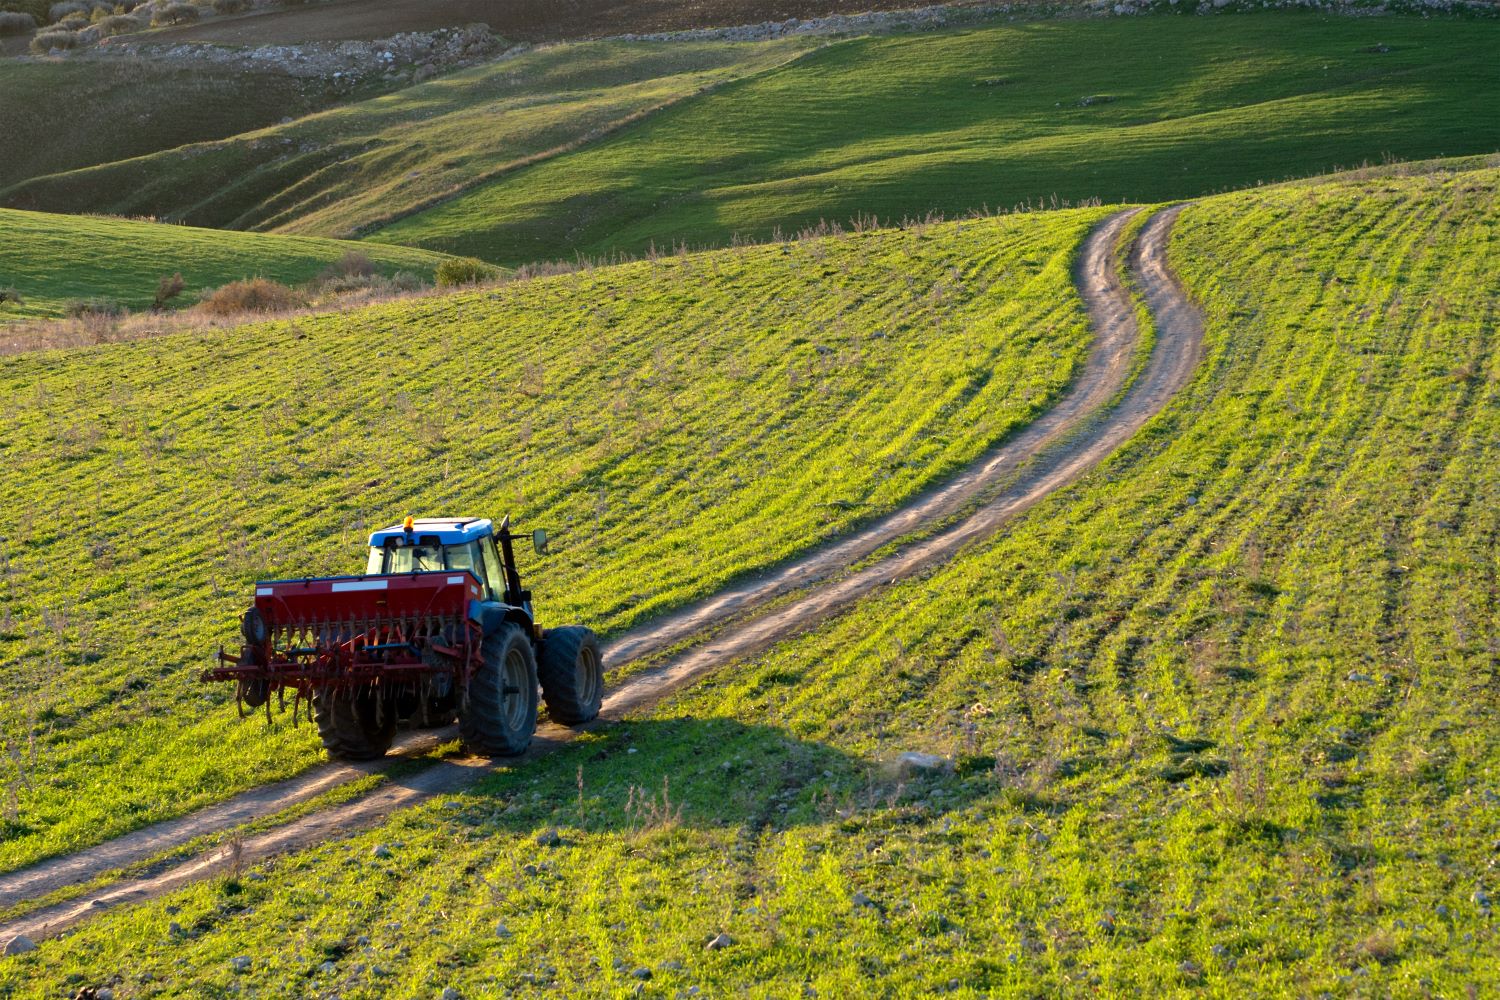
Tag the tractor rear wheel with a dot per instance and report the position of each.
(499, 716)
(572, 674)
(354, 726)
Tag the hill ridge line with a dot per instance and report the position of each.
(1103, 408)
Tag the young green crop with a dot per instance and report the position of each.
(675, 423)
(334, 173)
(1121, 109)
(51, 259)
(1222, 714)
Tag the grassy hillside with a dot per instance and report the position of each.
(369, 162)
(64, 114)
(50, 259)
(838, 376)
(1122, 109)
(1223, 713)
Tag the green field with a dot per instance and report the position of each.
(838, 377)
(1223, 713)
(54, 259)
(1122, 109)
(65, 114)
(369, 162)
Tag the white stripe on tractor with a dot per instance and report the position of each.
(359, 585)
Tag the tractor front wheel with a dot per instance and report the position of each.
(499, 715)
(354, 726)
(572, 674)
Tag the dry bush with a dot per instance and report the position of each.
(14, 22)
(52, 38)
(258, 295)
(119, 24)
(174, 13)
(169, 287)
(352, 265)
(97, 306)
(58, 11)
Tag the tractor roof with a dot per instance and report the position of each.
(448, 530)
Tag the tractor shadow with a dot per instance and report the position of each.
(645, 775)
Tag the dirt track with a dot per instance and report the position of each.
(514, 20)
(1054, 451)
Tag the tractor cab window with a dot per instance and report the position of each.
(493, 578)
(423, 558)
(463, 557)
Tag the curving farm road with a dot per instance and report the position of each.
(1098, 413)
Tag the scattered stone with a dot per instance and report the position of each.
(1190, 969)
(363, 941)
(549, 838)
(104, 993)
(640, 973)
(502, 931)
(720, 941)
(240, 964)
(175, 929)
(670, 965)
(381, 851)
(328, 968)
(449, 993)
(912, 763)
(20, 945)
(1355, 677)
(255, 877)
(861, 901)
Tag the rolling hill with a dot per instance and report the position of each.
(1220, 715)
(554, 154)
(1121, 109)
(364, 163)
(51, 260)
(841, 376)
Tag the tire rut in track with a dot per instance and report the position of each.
(1052, 452)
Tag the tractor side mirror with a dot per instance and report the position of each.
(539, 541)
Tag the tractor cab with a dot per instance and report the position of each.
(462, 544)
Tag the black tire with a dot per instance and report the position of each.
(572, 674)
(354, 726)
(499, 716)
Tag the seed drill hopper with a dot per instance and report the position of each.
(437, 628)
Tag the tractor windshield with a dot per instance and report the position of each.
(406, 559)
(470, 556)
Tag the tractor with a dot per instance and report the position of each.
(438, 627)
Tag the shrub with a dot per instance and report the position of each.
(53, 38)
(79, 308)
(14, 22)
(169, 287)
(463, 271)
(405, 281)
(229, 6)
(352, 265)
(174, 13)
(254, 295)
(10, 295)
(58, 11)
(119, 24)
